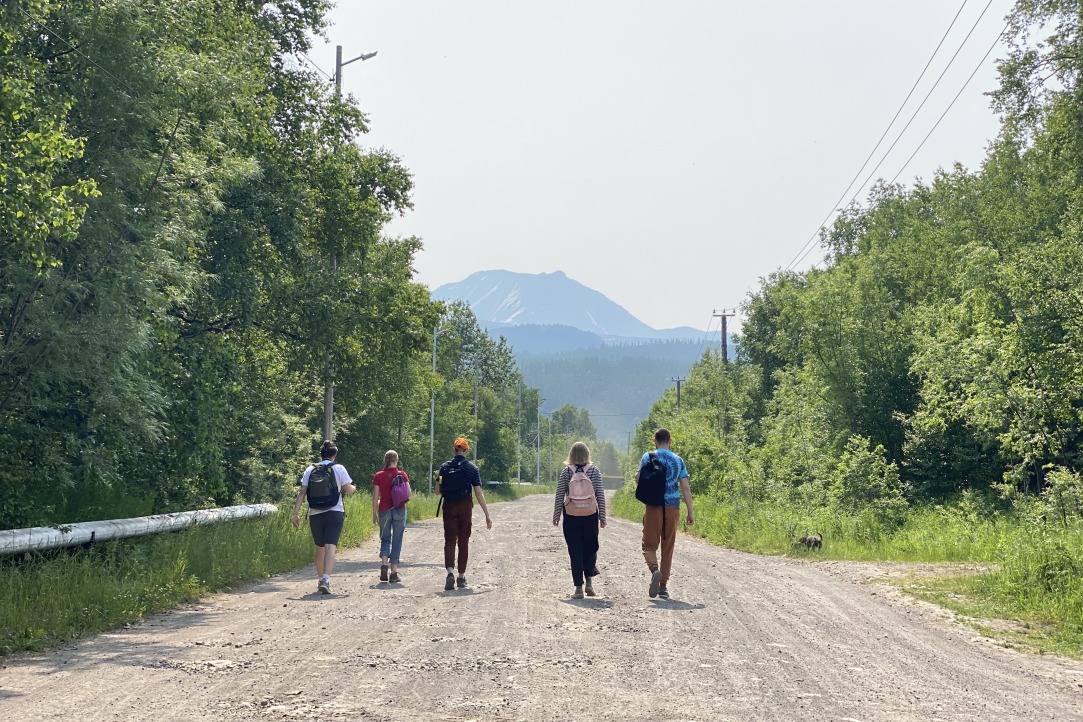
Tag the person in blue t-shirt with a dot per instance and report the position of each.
(654, 531)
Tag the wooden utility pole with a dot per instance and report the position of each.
(679, 381)
(724, 314)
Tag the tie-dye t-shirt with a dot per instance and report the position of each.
(675, 471)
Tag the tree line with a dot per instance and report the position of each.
(937, 351)
(193, 245)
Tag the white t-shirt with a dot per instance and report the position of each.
(342, 478)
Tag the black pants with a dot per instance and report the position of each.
(581, 533)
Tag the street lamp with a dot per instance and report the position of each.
(329, 384)
(339, 64)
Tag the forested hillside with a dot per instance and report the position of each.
(923, 387)
(193, 244)
(616, 383)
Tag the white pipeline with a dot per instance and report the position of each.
(17, 541)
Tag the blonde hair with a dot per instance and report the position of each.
(578, 455)
(391, 457)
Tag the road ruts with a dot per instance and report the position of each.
(744, 638)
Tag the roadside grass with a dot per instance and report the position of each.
(980, 601)
(1030, 594)
(55, 597)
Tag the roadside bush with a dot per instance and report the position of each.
(1063, 496)
(865, 483)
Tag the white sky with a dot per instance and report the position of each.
(704, 139)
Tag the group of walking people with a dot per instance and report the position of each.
(580, 500)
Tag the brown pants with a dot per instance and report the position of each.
(652, 536)
(458, 517)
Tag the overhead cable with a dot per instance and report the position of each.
(809, 244)
(952, 103)
(976, 69)
(311, 62)
(77, 51)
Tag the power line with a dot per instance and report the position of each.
(950, 105)
(311, 62)
(706, 335)
(808, 246)
(980, 64)
(842, 197)
(77, 51)
(915, 113)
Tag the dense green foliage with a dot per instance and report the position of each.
(931, 369)
(193, 244)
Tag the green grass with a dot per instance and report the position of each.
(983, 602)
(1030, 593)
(64, 595)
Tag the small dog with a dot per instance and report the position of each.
(811, 541)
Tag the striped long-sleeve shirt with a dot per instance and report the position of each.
(562, 491)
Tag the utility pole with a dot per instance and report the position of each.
(550, 464)
(432, 407)
(519, 437)
(679, 381)
(537, 471)
(329, 372)
(724, 314)
(475, 439)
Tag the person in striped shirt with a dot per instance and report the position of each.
(580, 531)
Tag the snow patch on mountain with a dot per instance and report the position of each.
(508, 298)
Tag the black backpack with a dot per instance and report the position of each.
(455, 481)
(651, 486)
(323, 490)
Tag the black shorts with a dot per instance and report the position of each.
(326, 527)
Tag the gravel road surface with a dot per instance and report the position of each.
(743, 638)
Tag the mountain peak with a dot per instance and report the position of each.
(506, 297)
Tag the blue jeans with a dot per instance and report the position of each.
(392, 524)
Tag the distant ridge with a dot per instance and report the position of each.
(505, 299)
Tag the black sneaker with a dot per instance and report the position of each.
(461, 582)
(394, 578)
(383, 572)
(663, 593)
(656, 582)
(449, 583)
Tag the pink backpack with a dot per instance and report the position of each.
(580, 500)
(400, 491)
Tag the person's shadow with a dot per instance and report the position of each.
(317, 596)
(589, 603)
(675, 605)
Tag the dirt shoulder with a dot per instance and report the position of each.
(744, 637)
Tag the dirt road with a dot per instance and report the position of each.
(744, 638)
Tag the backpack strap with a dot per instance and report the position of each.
(655, 458)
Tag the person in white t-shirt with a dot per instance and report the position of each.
(325, 524)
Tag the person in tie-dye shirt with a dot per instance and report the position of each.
(656, 533)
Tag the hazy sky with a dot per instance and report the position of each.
(706, 140)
